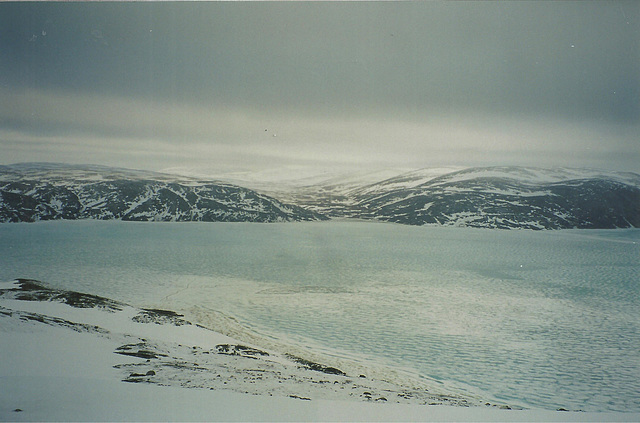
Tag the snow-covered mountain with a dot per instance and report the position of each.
(46, 191)
(492, 197)
(489, 197)
(340, 195)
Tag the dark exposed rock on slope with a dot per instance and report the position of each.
(31, 192)
(498, 197)
(162, 347)
(493, 203)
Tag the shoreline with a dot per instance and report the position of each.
(68, 346)
(356, 365)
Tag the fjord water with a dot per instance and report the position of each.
(547, 319)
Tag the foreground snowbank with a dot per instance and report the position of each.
(66, 356)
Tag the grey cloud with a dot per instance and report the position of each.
(77, 126)
(562, 57)
(364, 79)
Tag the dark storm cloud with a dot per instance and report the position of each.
(287, 63)
(575, 58)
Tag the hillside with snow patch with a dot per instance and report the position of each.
(488, 197)
(42, 191)
(491, 197)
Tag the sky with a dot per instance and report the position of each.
(252, 86)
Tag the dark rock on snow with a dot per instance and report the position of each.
(32, 192)
(494, 197)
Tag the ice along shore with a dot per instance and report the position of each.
(69, 356)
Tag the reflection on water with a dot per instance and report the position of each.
(544, 319)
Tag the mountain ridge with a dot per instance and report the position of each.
(501, 197)
(50, 191)
(491, 197)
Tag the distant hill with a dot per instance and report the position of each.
(47, 191)
(490, 197)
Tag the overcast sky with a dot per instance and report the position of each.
(234, 86)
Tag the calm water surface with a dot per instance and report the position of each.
(542, 319)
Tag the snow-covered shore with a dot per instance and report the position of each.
(68, 356)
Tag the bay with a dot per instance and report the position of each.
(543, 319)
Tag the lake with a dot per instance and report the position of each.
(541, 319)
